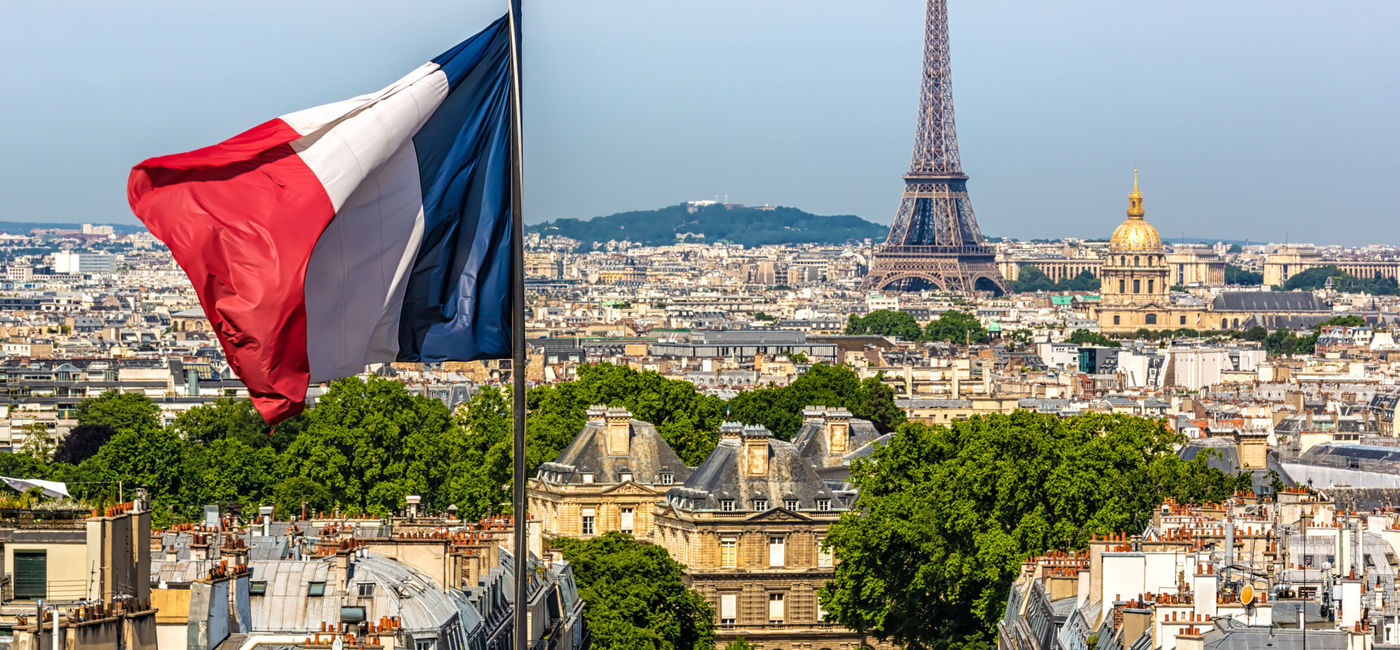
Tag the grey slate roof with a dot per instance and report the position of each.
(810, 440)
(648, 456)
(1271, 301)
(721, 477)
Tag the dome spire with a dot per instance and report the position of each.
(1135, 210)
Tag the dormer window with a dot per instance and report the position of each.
(726, 505)
(823, 505)
(624, 477)
(587, 477)
(668, 478)
(760, 505)
(790, 504)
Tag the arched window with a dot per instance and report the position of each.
(1236, 323)
(1123, 260)
(1152, 319)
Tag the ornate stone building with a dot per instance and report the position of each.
(749, 527)
(747, 524)
(1137, 278)
(609, 478)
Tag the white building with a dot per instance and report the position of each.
(71, 262)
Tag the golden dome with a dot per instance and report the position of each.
(1135, 234)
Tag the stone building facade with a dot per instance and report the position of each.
(609, 478)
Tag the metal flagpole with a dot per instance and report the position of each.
(517, 364)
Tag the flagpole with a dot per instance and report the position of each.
(517, 365)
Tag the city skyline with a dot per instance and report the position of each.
(807, 109)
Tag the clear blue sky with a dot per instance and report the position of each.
(1248, 118)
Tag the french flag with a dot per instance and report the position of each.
(369, 230)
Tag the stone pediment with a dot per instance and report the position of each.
(779, 515)
(629, 489)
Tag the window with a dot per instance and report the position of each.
(425, 644)
(589, 515)
(1150, 283)
(728, 608)
(1136, 261)
(1152, 319)
(1115, 320)
(624, 477)
(728, 553)
(315, 589)
(1183, 320)
(726, 505)
(668, 478)
(627, 520)
(790, 504)
(823, 505)
(31, 578)
(823, 553)
(1137, 286)
(352, 614)
(775, 608)
(257, 587)
(366, 589)
(777, 551)
(1120, 286)
(760, 505)
(587, 478)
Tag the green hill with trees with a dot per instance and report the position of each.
(745, 225)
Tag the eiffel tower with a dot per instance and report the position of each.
(934, 241)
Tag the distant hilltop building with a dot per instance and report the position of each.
(95, 229)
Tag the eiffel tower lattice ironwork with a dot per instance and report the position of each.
(934, 241)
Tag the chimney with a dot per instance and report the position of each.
(1190, 638)
(597, 415)
(265, 512)
(731, 431)
(413, 501)
(619, 428)
(756, 450)
(838, 431)
(208, 622)
(813, 414)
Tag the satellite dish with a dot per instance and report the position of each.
(1247, 594)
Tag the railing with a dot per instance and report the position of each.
(901, 249)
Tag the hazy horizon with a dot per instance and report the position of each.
(1239, 131)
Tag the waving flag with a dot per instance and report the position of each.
(369, 230)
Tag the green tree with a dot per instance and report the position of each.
(686, 418)
(740, 644)
(956, 326)
(885, 322)
(1239, 276)
(371, 444)
(82, 442)
(636, 595)
(1257, 333)
(1342, 281)
(962, 506)
(780, 408)
(230, 471)
(37, 442)
(120, 411)
(235, 419)
(768, 318)
(1085, 337)
(148, 458)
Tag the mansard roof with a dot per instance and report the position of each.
(648, 457)
(723, 476)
